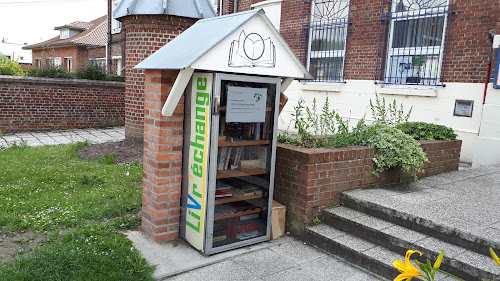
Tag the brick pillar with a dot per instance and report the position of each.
(162, 175)
(144, 35)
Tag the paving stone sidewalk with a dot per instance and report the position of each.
(285, 258)
(64, 136)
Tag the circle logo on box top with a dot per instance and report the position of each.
(253, 46)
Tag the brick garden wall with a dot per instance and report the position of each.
(309, 180)
(37, 104)
(144, 34)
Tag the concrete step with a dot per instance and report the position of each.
(370, 256)
(459, 261)
(445, 232)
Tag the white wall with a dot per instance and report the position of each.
(16, 52)
(487, 147)
(272, 8)
(433, 105)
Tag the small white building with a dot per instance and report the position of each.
(15, 52)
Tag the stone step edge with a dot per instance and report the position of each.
(399, 245)
(378, 267)
(463, 239)
(350, 255)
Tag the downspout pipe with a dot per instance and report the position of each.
(235, 6)
(491, 34)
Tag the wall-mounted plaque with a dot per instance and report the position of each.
(463, 108)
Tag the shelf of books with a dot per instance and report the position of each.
(223, 108)
(238, 214)
(244, 143)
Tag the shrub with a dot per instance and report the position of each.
(10, 67)
(394, 149)
(427, 131)
(117, 78)
(92, 71)
(50, 71)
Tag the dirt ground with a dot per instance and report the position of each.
(11, 244)
(126, 151)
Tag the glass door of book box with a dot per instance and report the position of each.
(243, 148)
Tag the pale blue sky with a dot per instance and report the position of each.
(33, 21)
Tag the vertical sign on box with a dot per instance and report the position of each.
(198, 159)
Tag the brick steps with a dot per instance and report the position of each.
(373, 236)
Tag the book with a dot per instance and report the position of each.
(219, 238)
(256, 134)
(248, 235)
(223, 193)
(226, 159)
(249, 217)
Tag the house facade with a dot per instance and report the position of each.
(435, 56)
(77, 44)
(16, 53)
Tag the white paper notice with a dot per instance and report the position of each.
(246, 104)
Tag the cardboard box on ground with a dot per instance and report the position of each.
(278, 217)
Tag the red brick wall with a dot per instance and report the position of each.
(291, 24)
(145, 34)
(97, 53)
(468, 46)
(37, 104)
(162, 158)
(228, 7)
(78, 54)
(309, 180)
(244, 5)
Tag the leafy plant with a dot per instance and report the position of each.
(50, 71)
(80, 144)
(10, 67)
(317, 221)
(107, 159)
(390, 115)
(427, 131)
(394, 149)
(91, 71)
(325, 129)
(117, 78)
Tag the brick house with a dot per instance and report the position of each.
(146, 26)
(432, 55)
(77, 43)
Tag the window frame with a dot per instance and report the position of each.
(423, 51)
(313, 26)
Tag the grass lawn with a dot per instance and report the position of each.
(79, 206)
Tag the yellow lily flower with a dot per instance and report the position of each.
(408, 271)
(494, 256)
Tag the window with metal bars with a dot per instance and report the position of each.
(412, 42)
(324, 37)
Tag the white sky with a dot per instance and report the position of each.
(33, 21)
